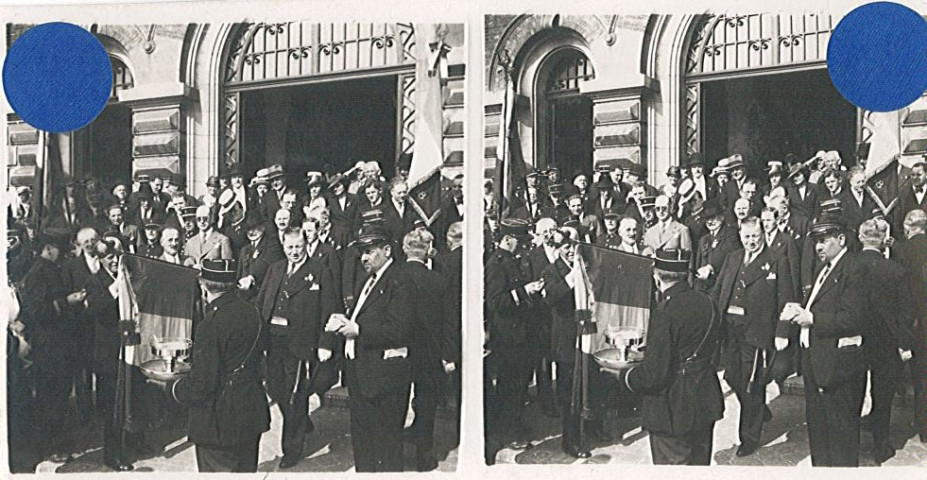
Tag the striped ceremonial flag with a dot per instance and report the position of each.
(615, 287)
(160, 296)
(882, 164)
(510, 186)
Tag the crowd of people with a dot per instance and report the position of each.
(349, 282)
(805, 271)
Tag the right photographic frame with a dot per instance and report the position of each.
(696, 250)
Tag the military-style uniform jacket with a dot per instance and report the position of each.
(609, 240)
(507, 302)
(227, 406)
(680, 396)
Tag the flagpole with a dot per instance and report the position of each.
(505, 65)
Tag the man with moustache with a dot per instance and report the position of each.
(667, 233)
(170, 243)
(752, 287)
(831, 321)
(714, 247)
(296, 299)
(378, 334)
(256, 257)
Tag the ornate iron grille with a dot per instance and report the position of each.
(569, 71)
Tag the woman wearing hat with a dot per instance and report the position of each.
(314, 186)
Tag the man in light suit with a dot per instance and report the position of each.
(296, 299)
(667, 233)
(378, 372)
(208, 244)
(832, 323)
(752, 287)
(170, 242)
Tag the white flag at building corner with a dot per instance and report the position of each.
(427, 152)
(884, 151)
(128, 307)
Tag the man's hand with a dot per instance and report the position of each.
(803, 318)
(535, 287)
(449, 367)
(789, 311)
(77, 297)
(704, 272)
(335, 321)
(324, 354)
(17, 327)
(781, 343)
(349, 329)
(246, 282)
(905, 354)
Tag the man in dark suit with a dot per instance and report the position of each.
(273, 199)
(706, 186)
(714, 247)
(256, 257)
(323, 252)
(510, 297)
(889, 337)
(832, 324)
(559, 298)
(752, 287)
(912, 255)
(536, 262)
(452, 211)
(782, 244)
(450, 264)
(296, 299)
(398, 214)
(47, 311)
(913, 194)
(378, 372)
(228, 409)
(426, 350)
(730, 191)
(682, 397)
(146, 211)
(857, 204)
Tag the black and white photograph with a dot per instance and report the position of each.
(696, 250)
(249, 260)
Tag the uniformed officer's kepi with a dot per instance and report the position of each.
(515, 227)
(827, 224)
(672, 260)
(370, 234)
(219, 270)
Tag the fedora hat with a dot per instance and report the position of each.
(233, 171)
(686, 190)
(796, 168)
(336, 179)
(274, 171)
(736, 161)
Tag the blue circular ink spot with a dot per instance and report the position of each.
(877, 56)
(57, 77)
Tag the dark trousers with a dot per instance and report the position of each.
(113, 447)
(54, 377)
(376, 430)
(833, 419)
(569, 416)
(513, 372)
(885, 372)
(241, 458)
(918, 366)
(286, 372)
(742, 364)
(693, 448)
(424, 405)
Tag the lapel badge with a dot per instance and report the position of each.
(765, 267)
(308, 278)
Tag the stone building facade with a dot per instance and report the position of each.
(200, 98)
(655, 89)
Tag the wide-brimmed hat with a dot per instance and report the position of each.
(337, 179)
(797, 168)
(370, 234)
(233, 171)
(736, 161)
(696, 159)
(274, 171)
(711, 209)
(672, 260)
(224, 271)
(314, 178)
(686, 190)
(226, 198)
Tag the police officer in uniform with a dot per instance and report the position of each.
(509, 298)
(682, 397)
(832, 323)
(226, 400)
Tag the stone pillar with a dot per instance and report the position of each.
(159, 129)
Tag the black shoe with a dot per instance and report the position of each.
(119, 466)
(519, 444)
(289, 461)
(746, 449)
(426, 464)
(767, 414)
(576, 452)
(882, 452)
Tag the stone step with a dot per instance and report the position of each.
(795, 385)
(337, 397)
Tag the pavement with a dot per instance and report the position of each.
(784, 441)
(328, 447)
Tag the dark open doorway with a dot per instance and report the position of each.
(765, 117)
(327, 126)
(109, 147)
(571, 135)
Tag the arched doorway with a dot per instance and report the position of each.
(566, 135)
(318, 96)
(758, 85)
